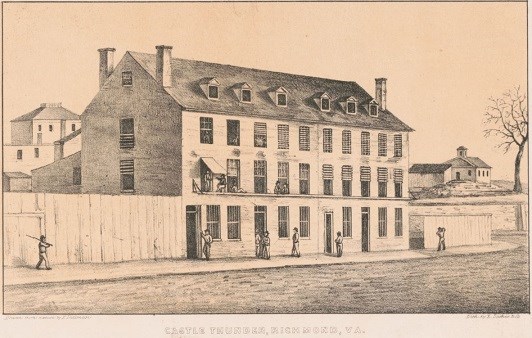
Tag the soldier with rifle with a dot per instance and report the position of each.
(43, 245)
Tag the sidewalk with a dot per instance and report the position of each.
(87, 272)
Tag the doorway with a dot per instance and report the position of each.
(260, 219)
(458, 176)
(365, 229)
(328, 232)
(193, 225)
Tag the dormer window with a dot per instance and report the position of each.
(212, 89)
(373, 109)
(351, 105)
(325, 102)
(280, 97)
(245, 93)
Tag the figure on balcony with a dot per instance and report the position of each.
(278, 188)
(222, 183)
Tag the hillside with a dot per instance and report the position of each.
(463, 189)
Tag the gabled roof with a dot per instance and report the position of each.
(48, 112)
(472, 162)
(69, 136)
(186, 91)
(428, 168)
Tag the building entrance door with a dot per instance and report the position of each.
(260, 219)
(193, 225)
(365, 229)
(328, 232)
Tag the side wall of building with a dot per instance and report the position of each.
(21, 132)
(57, 177)
(157, 131)
(421, 180)
(29, 159)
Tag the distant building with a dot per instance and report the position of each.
(41, 137)
(16, 181)
(460, 168)
(250, 150)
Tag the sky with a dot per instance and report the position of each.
(443, 61)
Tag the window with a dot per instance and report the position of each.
(469, 172)
(213, 221)
(304, 178)
(373, 110)
(281, 99)
(304, 138)
(382, 178)
(246, 95)
(398, 145)
(398, 182)
(73, 127)
(347, 221)
(327, 140)
(213, 92)
(487, 172)
(325, 103)
(365, 179)
(283, 136)
(260, 135)
(283, 222)
(127, 178)
(19, 154)
(260, 177)
(347, 179)
(282, 177)
(479, 173)
(382, 222)
(364, 143)
(233, 222)
(382, 145)
(346, 142)
(76, 176)
(304, 221)
(127, 133)
(351, 107)
(206, 132)
(127, 78)
(233, 175)
(233, 132)
(50, 127)
(39, 127)
(398, 222)
(327, 174)
(36, 152)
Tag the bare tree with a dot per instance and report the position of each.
(507, 118)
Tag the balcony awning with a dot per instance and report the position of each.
(213, 166)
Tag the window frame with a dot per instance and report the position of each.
(127, 173)
(36, 152)
(383, 222)
(127, 81)
(323, 99)
(73, 127)
(258, 178)
(283, 136)
(346, 141)
(304, 138)
(76, 176)
(283, 167)
(327, 140)
(283, 225)
(304, 224)
(277, 96)
(206, 133)
(217, 88)
(259, 135)
(328, 179)
(382, 148)
(365, 143)
(398, 145)
(398, 222)
(127, 140)
(19, 154)
(304, 183)
(231, 127)
(235, 211)
(373, 110)
(229, 180)
(213, 220)
(347, 222)
(247, 90)
(352, 103)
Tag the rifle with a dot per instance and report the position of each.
(39, 240)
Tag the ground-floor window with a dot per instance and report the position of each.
(213, 221)
(382, 222)
(233, 222)
(304, 221)
(283, 221)
(398, 222)
(347, 221)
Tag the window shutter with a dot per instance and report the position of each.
(126, 167)
(382, 174)
(398, 175)
(365, 174)
(327, 172)
(347, 173)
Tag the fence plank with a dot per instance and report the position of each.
(84, 216)
(125, 226)
(118, 240)
(94, 225)
(141, 214)
(107, 229)
(150, 233)
(172, 225)
(134, 226)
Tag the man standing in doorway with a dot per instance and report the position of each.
(42, 253)
(339, 244)
(266, 245)
(258, 241)
(295, 244)
(207, 238)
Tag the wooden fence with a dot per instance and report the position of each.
(460, 230)
(91, 228)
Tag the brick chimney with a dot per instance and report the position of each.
(59, 147)
(380, 92)
(106, 63)
(163, 65)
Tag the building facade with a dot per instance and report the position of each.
(33, 138)
(250, 150)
